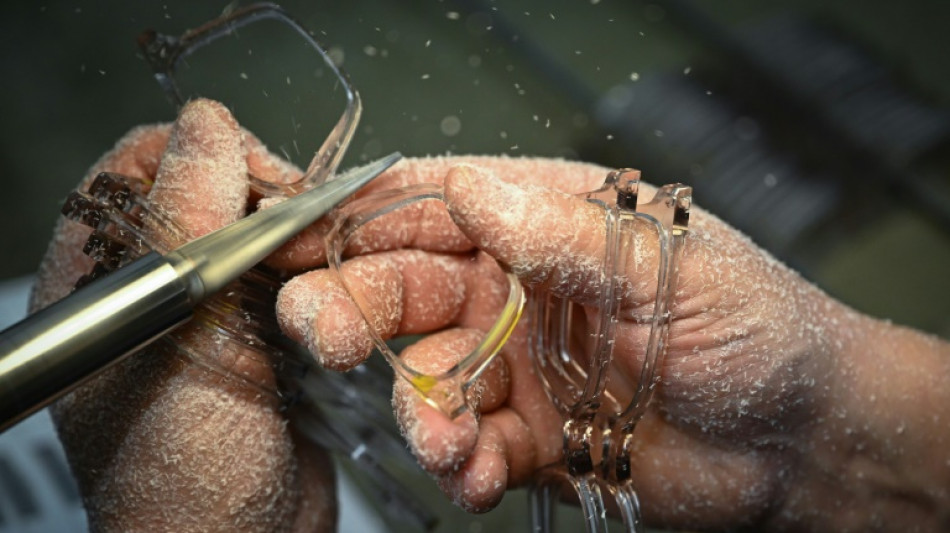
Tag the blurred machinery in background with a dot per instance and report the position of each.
(797, 128)
(790, 129)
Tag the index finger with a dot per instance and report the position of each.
(431, 229)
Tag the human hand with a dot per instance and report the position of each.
(157, 442)
(778, 406)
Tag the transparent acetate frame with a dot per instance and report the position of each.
(348, 414)
(446, 391)
(599, 418)
(169, 58)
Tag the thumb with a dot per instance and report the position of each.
(202, 179)
(549, 239)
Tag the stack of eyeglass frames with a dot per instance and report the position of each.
(232, 59)
(643, 242)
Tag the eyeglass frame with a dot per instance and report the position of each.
(586, 423)
(165, 53)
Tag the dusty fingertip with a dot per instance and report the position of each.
(316, 312)
(509, 222)
(207, 117)
(201, 181)
(337, 335)
(480, 484)
(465, 186)
(441, 445)
(485, 208)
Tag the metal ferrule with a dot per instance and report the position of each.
(59, 347)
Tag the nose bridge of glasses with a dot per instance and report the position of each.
(580, 436)
(670, 206)
(682, 197)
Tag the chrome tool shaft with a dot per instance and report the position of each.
(56, 349)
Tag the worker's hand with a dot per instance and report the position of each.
(778, 406)
(158, 443)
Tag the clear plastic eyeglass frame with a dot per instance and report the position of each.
(168, 55)
(446, 391)
(600, 419)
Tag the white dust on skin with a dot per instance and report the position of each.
(566, 260)
(205, 165)
(425, 225)
(757, 354)
(541, 235)
(401, 292)
(480, 484)
(318, 297)
(755, 381)
(303, 300)
(405, 292)
(440, 444)
(422, 224)
(472, 464)
(155, 442)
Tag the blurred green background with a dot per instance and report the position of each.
(531, 78)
